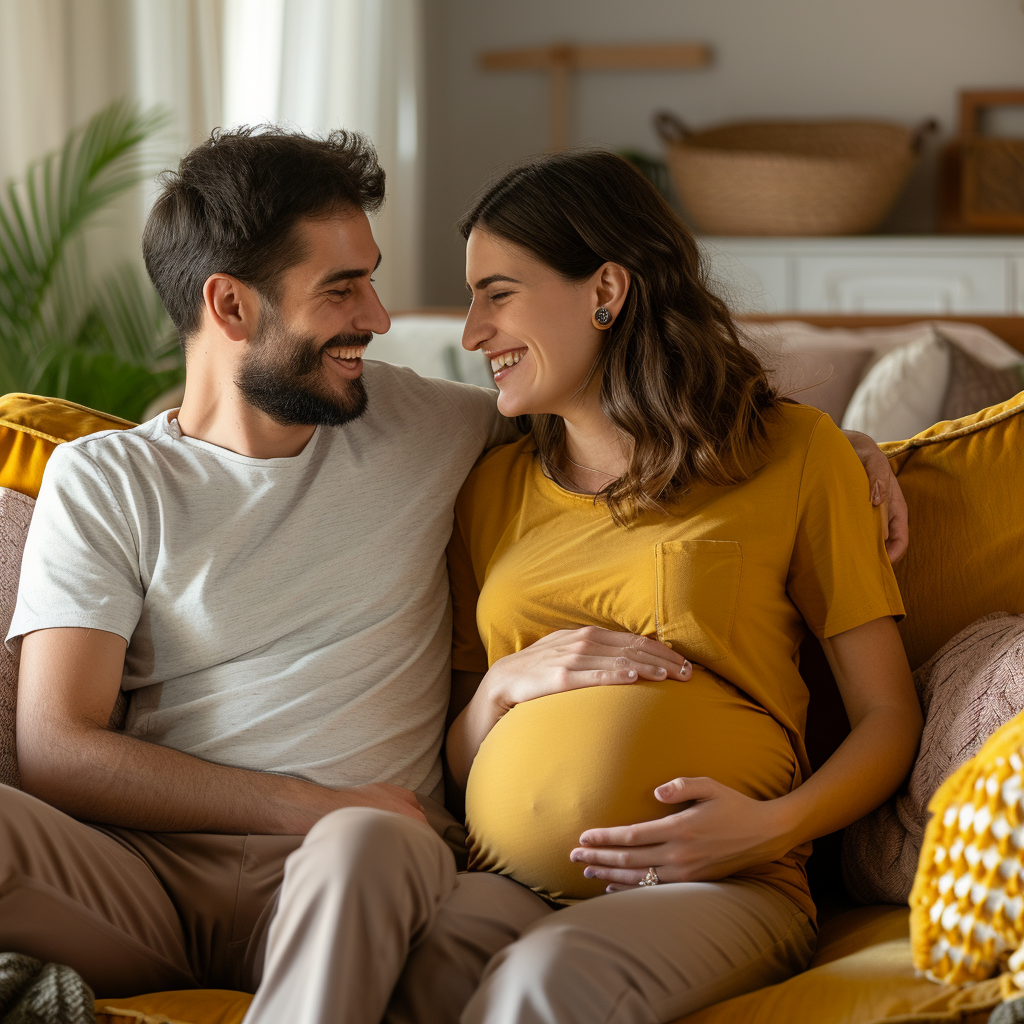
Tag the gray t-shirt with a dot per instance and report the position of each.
(288, 615)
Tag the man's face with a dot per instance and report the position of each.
(304, 364)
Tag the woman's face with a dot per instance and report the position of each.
(533, 325)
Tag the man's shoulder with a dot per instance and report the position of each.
(105, 448)
(402, 393)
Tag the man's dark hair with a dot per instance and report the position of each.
(232, 207)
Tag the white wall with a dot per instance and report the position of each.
(903, 60)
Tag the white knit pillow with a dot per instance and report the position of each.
(902, 394)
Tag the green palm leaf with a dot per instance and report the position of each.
(106, 344)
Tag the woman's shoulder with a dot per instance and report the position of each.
(798, 431)
(499, 471)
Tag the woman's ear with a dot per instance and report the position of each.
(611, 283)
(230, 306)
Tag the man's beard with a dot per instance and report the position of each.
(282, 374)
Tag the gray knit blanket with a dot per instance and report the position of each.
(36, 993)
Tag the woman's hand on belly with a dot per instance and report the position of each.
(718, 833)
(571, 659)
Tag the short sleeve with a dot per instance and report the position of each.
(839, 575)
(468, 654)
(80, 566)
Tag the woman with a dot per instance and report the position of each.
(665, 491)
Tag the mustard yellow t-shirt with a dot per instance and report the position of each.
(732, 577)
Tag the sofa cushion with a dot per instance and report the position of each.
(31, 427)
(190, 1006)
(862, 973)
(970, 688)
(963, 481)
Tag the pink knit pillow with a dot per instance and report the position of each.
(968, 689)
(15, 515)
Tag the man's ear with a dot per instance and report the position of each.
(611, 283)
(232, 307)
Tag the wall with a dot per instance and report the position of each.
(902, 60)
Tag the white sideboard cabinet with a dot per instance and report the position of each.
(870, 274)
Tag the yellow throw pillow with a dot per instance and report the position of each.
(967, 904)
(32, 426)
(964, 481)
(591, 758)
(190, 1006)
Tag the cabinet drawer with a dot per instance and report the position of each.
(913, 284)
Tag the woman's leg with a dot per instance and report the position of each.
(645, 956)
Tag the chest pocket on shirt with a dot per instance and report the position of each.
(698, 585)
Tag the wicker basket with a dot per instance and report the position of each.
(790, 178)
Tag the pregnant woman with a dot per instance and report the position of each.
(631, 584)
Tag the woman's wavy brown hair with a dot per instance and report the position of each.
(674, 376)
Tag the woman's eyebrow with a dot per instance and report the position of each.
(485, 281)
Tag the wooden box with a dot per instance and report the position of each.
(982, 179)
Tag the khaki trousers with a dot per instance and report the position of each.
(366, 919)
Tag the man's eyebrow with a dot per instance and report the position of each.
(346, 275)
(485, 281)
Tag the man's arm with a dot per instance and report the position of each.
(67, 685)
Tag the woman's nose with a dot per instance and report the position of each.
(475, 333)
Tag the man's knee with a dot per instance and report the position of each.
(364, 845)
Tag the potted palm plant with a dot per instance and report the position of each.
(106, 343)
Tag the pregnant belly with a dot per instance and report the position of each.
(591, 758)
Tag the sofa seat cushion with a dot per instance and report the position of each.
(963, 481)
(190, 1006)
(862, 973)
(31, 427)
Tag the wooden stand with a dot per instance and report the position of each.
(562, 59)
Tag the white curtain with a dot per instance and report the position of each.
(60, 61)
(312, 64)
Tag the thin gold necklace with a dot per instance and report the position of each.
(600, 472)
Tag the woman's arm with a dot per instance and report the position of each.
(723, 831)
(565, 660)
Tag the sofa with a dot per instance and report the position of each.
(964, 484)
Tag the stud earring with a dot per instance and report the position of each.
(602, 318)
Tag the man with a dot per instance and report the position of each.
(264, 572)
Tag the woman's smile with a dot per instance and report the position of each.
(502, 363)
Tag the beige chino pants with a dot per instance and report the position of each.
(366, 919)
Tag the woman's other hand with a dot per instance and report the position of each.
(885, 489)
(718, 833)
(571, 659)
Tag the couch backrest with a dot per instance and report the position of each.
(964, 485)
